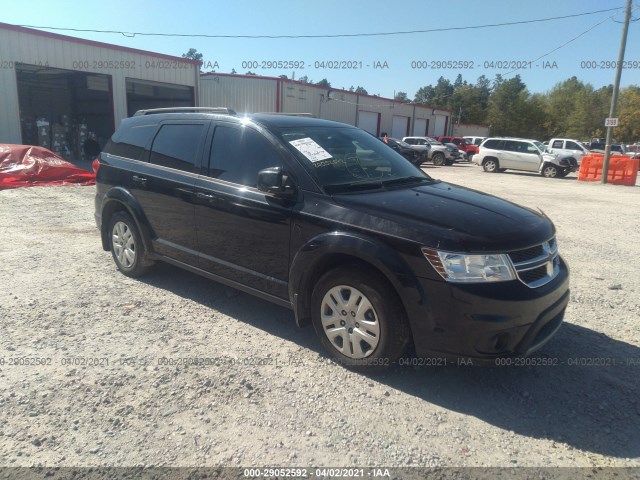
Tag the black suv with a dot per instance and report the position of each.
(325, 219)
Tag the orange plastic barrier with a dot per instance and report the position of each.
(622, 169)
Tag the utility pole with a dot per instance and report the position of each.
(616, 88)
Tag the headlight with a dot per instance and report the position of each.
(463, 268)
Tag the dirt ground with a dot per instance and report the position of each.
(97, 369)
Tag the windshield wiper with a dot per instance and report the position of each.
(406, 180)
(353, 186)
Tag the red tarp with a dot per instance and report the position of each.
(27, 166)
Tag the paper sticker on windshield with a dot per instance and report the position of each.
(310, 149)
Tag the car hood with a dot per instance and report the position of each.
(447, 217)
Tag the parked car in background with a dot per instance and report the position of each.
(500, 154)
(436, 152)
(569, 146)
(616, 149)
(633, 151)
(468, 150)
(406, 150)
(457, 155)
(474, 140)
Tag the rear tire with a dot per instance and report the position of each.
(359, 318)
(490, 165)
(127, 248)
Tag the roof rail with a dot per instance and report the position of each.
(288, 114)
(226, 110)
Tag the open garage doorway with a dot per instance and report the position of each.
(66, 111)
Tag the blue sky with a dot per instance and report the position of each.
(480, 47)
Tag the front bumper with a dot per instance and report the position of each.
(483, 322)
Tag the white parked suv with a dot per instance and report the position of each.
(500, 154)
(432, 150)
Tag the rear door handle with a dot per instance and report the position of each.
(140, 180)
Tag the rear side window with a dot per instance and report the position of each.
(130, 142)
(175, 146)
(412, 141)
(512, 146)
(558, 144)
(573, 146)
(495, 144)
(239, 153)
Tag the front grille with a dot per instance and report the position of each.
(537, 265)
(529, 276)
(526, 254)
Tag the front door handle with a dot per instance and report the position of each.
(205, 196)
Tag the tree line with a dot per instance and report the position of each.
(571, 109)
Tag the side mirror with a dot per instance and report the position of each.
(275, 182)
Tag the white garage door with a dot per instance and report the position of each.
(369, 121)
(420, 127)
(439, 126)
(399, 126)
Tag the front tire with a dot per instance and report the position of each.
(127, 248)
(359, 319)
(550, 171)
(438, 159)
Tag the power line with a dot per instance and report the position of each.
(340, 35)
(567, 42)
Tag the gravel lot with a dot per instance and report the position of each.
(108, 394)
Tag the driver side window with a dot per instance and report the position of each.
(239, 153)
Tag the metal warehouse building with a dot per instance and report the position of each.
(68, 94)
(58, 91)
(377, 115)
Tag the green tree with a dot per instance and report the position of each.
(324, 83)
(628, 129)
(569, 105)
(360, 90)
(508, 107)
(193, 55)
(438, 96)
(402, 96)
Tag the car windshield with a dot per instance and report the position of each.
(541, 146)
(344, 158)
(434, 142)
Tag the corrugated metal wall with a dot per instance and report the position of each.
(244, 94)
(267, 94)
(43, 49)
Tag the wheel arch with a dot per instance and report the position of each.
(120, 200)
(331, 250)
